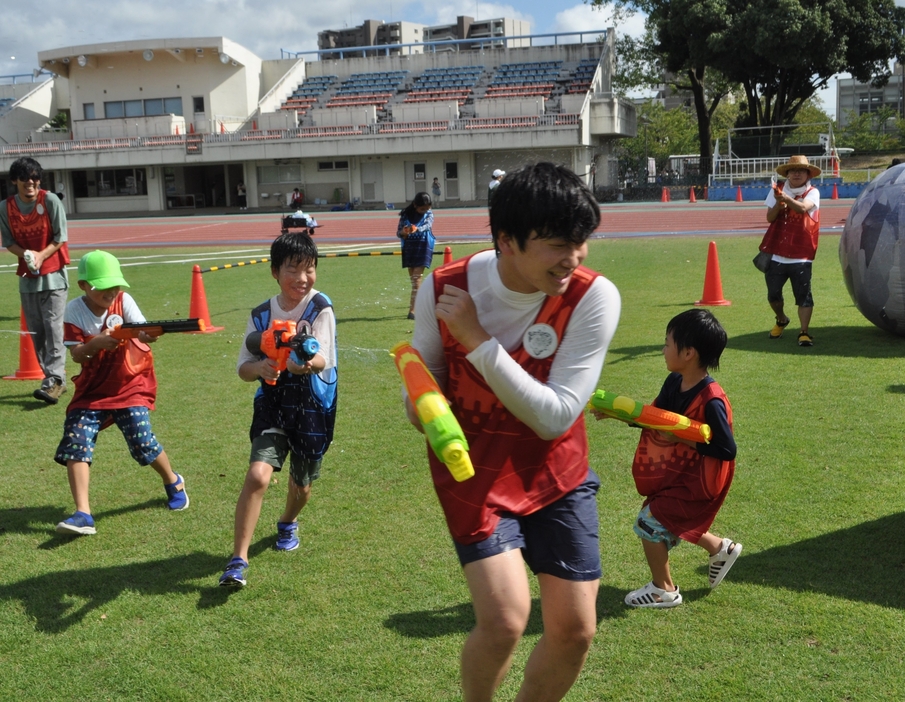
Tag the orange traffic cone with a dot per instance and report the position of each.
(664, 195)
(447, 255)
(191, 128)
(198, 303)
(713, 285)
(254, 125)
(835, 195)
(222, 128)
(177, 130)
(705, 192)
(691, 197)
(835, 166)
(29, 368)
(738, 194)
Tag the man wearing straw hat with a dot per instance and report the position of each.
(793, 211)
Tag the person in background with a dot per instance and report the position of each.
(494, 183)
(33, 228)
(415, 229)
(241, 197)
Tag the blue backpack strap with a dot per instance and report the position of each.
(261, 316)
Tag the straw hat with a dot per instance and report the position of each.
(798, 162)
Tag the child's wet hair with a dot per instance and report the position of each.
(698, 329)
(295, 248)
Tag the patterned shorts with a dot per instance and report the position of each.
(648, 527)
(82, 426)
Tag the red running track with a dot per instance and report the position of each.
(470, 224)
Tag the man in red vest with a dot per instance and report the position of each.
(33, 227)
(793, 212)
(517, 337)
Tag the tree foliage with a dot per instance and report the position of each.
(779, 51)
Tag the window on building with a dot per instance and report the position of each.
(198, 105)
(172, 106)
(88, 110)
(333, 165)
(113, 110)
(109, 182)
(286, 173)
(154, 107)
(133, 108)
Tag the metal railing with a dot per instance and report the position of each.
(551, 121)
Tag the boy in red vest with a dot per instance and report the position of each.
(793, 212)
(33, 227)
(517, 337)
(684, 483)
(116, 384)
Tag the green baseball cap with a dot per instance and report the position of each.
(101, 271)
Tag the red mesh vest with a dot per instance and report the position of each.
(515, 470)
(33, 232)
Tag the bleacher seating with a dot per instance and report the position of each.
(530, 79)
(582, 75)
(441, 84)
(308, 92)
(362, 89)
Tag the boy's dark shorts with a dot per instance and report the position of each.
(798, 273)
(560, 539)
(273, 449)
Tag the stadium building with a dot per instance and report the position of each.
(158, 125)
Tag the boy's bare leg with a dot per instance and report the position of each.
(248, 508)
(711, 543)
(570, 623)
(79, 474)
(162, 466)
(658, 559)
(502, 603)
(296, 498)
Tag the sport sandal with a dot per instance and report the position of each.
(652, 596)
(805, 339)
(722, 561)
(779, 328)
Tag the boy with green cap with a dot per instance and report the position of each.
(116, 384)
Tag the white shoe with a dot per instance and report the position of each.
(723, 561)
(652, 596)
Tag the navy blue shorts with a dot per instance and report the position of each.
(560, 539)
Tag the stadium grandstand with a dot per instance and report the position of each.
(182, 121)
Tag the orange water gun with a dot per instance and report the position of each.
(444, 434)
(279, 342)
(649, 417)
(131, 330)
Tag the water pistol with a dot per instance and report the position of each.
(649, 417)
(440, 425)
(131, 330)
(279, 342)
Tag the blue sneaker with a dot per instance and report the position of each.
(234, 575)
(177, 499)
(78, 523)
(287, 536)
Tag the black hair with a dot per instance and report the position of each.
(410, 213)
(25, 168)
(293, 248)
(698, 329)
(545, 198)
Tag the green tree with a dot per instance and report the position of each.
(779, 51)
(874, 131)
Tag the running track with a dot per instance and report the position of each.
(450, 225)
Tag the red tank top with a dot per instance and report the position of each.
(685, 489)
(114, 378)
(34, 233)
(515, 470)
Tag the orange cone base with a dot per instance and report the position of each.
(29, 368)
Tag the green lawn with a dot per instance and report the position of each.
(373, 606)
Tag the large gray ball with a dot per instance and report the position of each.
(872, 251)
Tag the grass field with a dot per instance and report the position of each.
(373, 605)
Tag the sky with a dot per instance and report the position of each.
(266, 29)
